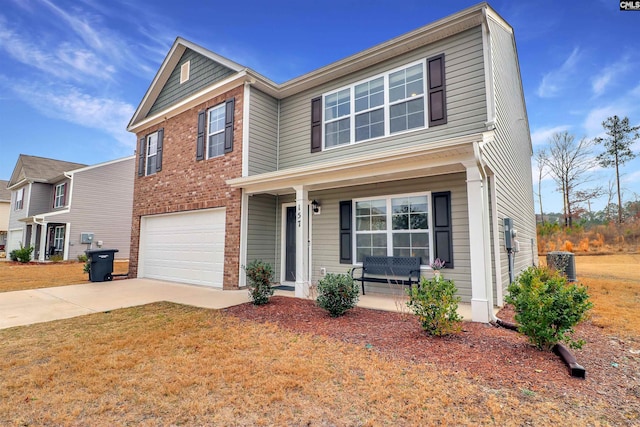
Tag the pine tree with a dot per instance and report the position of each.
(617, 148)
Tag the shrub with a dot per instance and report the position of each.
(435, 303)
(259, 275)
(547, 307)
(22, 255)
(82, 258)
(337, 293)
(56, 258)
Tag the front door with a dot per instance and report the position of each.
(290, 245)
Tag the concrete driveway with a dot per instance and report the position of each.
(43, 305)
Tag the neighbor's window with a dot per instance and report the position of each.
(215, 131)
(390, 103)
(19, 199)
(152, 153)
(58, 239)
(58, 201)
(393, 226)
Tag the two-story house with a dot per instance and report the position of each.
(62, 208)
(5, 208)
(418, 146)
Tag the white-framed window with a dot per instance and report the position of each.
(380, 106)
(151, 153)
(59, 196)
(58, 238)
(396, 225)
(215, 131)
(19, 199)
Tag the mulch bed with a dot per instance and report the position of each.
(494, 356)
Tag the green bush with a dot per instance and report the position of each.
(259, 276)
(82, 258)
(22, 255)
(337, 293)
(56, 258)
(435, 303)
(547, 307)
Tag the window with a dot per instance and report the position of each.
(152, 153)
(185, 70)
(393, 226)
(384, 105)
(215, 131)
(59, 196)
(19, 199)
(58, 239)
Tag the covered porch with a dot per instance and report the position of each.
(48, 238)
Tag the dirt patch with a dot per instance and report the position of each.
(496, 357)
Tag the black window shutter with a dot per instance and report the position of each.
(200, 140)
(64, 197)
(442, 235)
(345, 233)
(316, 124)
(141, 148)
(228, 125)
(437, 94)
(159, 150)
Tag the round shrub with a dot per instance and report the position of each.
(259, 276)
(547, 307)
(21, 255)
(337, 293)
(435, 303)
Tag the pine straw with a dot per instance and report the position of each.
(15, 276)
(165, 364)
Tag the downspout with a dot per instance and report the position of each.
(485, 225)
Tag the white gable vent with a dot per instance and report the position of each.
(184, 71)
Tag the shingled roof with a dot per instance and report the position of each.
(40, 169)
(5, 195)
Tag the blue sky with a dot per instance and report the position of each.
(72, 72)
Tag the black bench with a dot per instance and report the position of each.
(392, 268)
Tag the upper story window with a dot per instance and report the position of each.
(152, 153)
(384, 105)
(215, 131)
(19, 200)
(59, 195)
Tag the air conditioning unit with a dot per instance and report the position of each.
(564, 262)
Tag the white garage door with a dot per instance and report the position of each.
(13, 240)
(185, 247)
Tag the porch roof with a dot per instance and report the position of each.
(442, 157)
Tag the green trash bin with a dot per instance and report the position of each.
(101, 261)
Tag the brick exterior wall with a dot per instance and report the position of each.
(185, 184)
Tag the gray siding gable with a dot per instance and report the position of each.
(203, 72)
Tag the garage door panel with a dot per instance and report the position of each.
(187, 247)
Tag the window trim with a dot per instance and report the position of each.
(59, 199)
(147, 155)
(207, 135)
(389, 231)
(385, 106)
(57, 239)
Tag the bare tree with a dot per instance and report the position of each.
(617, 148)
(568, 162)
(541, 159)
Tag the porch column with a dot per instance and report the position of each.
(302, 242)
(43, 241)
(480, 304)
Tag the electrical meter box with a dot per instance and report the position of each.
(86, 238)
(508, 234)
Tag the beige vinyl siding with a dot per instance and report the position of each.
(325, 233)
(263, 133)
(466, 106)
(203, 73)
(101, 203)
(262, 229)
(509, 156)
(5, 209)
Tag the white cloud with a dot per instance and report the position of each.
(70, 104)
(593, 122)
(542, 135)
(552, 83)
(600, 82)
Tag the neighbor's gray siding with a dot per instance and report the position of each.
(263, 132)
(40, 199)
(204, 72)
(14, 215)
(263, 229)
(102, 202)
(509, 156)
(325, 233)
(466, 106)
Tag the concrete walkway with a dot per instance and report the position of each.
(20, 308)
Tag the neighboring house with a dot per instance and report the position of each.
(5, 203)
(62, 208)
(418, 146)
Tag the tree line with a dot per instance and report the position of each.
(571, 162)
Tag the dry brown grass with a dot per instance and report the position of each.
(165, 364)
(15, 276)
